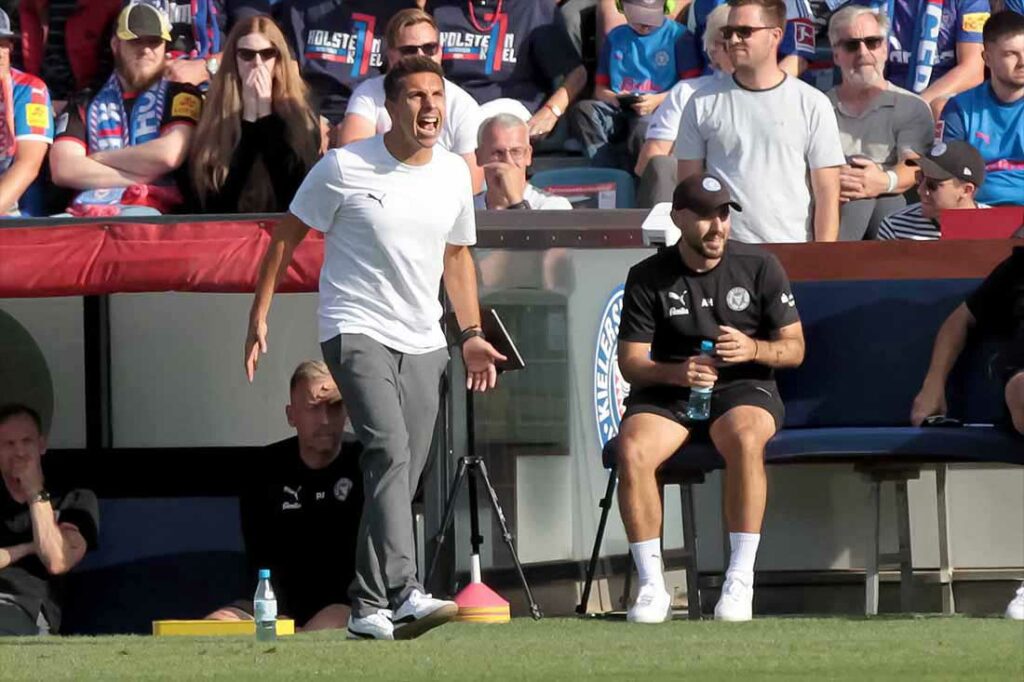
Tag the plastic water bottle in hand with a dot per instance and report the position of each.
(699, 406)
(265, 608)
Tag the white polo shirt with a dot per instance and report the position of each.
(385, 226)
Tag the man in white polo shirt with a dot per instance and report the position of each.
(411, 32)
(397, 215)
(771, 138)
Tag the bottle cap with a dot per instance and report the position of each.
(707, 346)
(264, 574)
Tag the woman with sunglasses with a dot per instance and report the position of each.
(258, 135)
(412, 32)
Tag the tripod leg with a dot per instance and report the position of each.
(449, 514)
(507, 537)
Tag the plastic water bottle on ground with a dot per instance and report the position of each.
(699, 406)
(265, 608)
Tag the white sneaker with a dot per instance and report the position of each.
(1015, 609)
(420, 613)
(737, 601)
(375, 626)
(653, 605)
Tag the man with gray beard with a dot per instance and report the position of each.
(881, 126)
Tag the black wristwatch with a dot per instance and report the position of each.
(41, 496)
(522, 205)
(469, 333)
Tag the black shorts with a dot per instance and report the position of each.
(15, 621)
(671, 401)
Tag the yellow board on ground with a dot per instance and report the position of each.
(216, 628)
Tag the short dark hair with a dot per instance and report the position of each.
(407, 66)
(11, 410)
(1005, 24)
(774, 11)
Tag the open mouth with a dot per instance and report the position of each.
(429, 123)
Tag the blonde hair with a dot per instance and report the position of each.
(220, 127)
(403, 20)
(308, 370)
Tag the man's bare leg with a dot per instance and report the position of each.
(331, 617)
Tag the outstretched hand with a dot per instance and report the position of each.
(480, 357)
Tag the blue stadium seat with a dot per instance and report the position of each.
(584, 186)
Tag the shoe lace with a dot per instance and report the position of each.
(386, 614)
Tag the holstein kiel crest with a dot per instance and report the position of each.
(610, 389)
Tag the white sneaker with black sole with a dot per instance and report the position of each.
(421, 613)
(653, 605)
(737, 601)
(375, 626)
(1015, 609)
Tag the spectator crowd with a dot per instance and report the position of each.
(814, 114)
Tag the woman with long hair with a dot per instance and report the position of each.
(258, 135)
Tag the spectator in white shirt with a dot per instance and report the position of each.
(880, 124)
(413, 32)
(504, 152)
(771, 138)
(655, 166)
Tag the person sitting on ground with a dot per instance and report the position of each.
(123, 146)
(26, 125)
(43, 534)
(258, 136)
(771, 137)
(706, 287)
(411, 32)
(881, 125)
(504, 152)
(500, 50)
(795, 49)
(656, 167)
(991, 116)
(949, 177)
(996, 309)
(639, 64)
(301, 508)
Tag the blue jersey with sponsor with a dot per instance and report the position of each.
(631, 62)
(996, 129)
(25, 114)
(1015, 6)
(798, 38)
(338, 45)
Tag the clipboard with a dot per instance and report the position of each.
(499, 337)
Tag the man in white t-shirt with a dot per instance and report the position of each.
(397, 215)
(772, 139)
(504, 152)
(411, 32)
(655, 165)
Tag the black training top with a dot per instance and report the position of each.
(674, 308)
(27, 580)
(301, 523)
(998, 305)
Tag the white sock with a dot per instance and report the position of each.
(647, 556)
(741, 558)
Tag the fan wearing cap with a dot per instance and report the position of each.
(738, 296)
(948, 178)
(122, 147)
(638, 65)
(26, 125)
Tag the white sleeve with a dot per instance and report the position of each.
(665, 122)
(320, 195)
(690, 143)
(465, 125)
(463, 232)
(362, 103)
(824, 146)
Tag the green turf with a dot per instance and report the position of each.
(558, 649)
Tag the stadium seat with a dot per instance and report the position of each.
(589, 187)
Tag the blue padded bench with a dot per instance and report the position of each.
(868, 348)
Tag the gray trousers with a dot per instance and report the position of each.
(392, 400)
(658, 181)
(860, 219)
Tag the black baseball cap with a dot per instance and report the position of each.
(703, 194)
(953, 159)
(139, 20)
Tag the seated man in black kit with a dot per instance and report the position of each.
(42, 534)
(995, 308)
(301, 509)
(738, 296)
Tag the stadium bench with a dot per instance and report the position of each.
(868, 347)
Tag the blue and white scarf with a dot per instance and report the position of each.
(107, 124)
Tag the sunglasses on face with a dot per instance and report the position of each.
(428, 49)
(931, 184)
(742, 32)
(852, 45)
(247, 55)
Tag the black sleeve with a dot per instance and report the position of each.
(184, 104)
(638, 303)
(991, 303)
(254, 137)
(778, 307)
(71, 123)
(285, 168)
(80, 509)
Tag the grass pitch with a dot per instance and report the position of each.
(558, 649)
